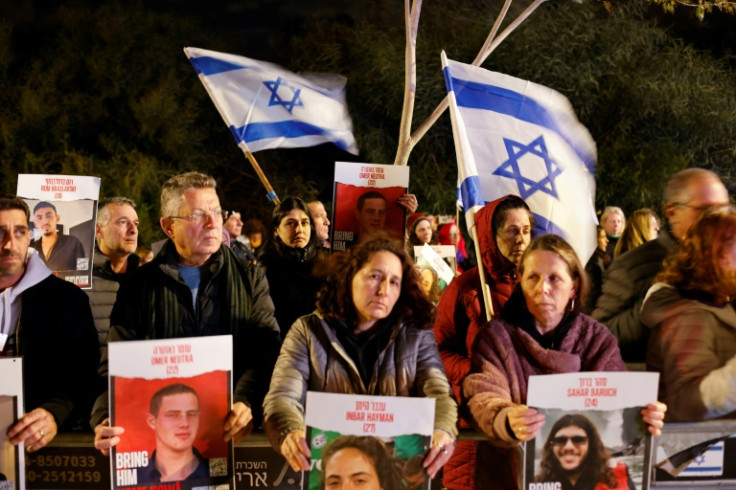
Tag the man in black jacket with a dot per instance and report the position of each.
(196, 287)
(47, 322)
(688, 194)
(117, 238)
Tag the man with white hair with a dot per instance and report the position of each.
(196, 287)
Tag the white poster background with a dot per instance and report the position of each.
(12, 460)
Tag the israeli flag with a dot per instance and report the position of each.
(513, 136)
(268, 107)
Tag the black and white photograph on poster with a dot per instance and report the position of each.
(63, 213)
(12, 463)
(171, 397)
(382, 438)
(593, 437)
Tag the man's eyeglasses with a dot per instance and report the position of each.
(562, 440)
(704, 208)
(200, 217)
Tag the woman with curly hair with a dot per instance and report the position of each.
(690, 308)
(362, 462)
(371, 334)
(574, 456)
(642, 226)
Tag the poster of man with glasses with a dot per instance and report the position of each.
(593, 436)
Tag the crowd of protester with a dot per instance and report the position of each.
(363, 321)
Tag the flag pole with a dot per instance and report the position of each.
(482, 272)
(270, 193)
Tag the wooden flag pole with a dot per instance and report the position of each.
(270, 194)
(482, 273)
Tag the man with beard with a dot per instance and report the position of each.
(58, 251)
(575, 458)
(46, 321)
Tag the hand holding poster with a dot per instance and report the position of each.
(593, 436)
(12, 463)
(171, 397)
(63, 214)
(365, 197)
(385, 438)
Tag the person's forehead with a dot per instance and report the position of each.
(44, 210)
(516, 217)
(316, 208)
(175, 400)
(374, 202)
(570, 429)
(121, 210)
(233, 215)
(200, 198)
(13, 217)
(707, 191)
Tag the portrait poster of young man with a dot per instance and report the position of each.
(368, 199)
(12, 462)
(593, 437)
(171, 397)
(379, 442)
(63, 215)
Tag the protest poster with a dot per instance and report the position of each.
(172, 397)
(365, 198)
(593, 433)
(63, 216)
(395, 433)
(12, 462)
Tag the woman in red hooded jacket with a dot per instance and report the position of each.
(504, 231)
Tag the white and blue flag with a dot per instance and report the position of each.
(513, 136)
(267, 107)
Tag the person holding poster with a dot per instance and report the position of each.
(58, 251)
(574, 457)
(48, 322)
(196, 287)
(504, 230)
(691, 311)
(371, 334)
(541, 331)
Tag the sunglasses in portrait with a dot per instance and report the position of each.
(562, 440)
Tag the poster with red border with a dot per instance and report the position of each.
(63, 226)
(375, 189)
(593, 436)
(172, 397)
(395, 430)
(12, 461)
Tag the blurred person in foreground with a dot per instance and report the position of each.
(688, 194)
(690, 309)
(540, 331)
(371, 334)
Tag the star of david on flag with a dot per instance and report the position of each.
(267, 107)
(513, 136)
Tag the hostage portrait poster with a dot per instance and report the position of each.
(383, 437)
(172, 397)
(12, 462)
(63, 216)
(365, 200)
(593, 436)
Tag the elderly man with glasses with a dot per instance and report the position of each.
(197, 287)
(688, 194)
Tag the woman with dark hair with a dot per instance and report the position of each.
(420, 232)
(289, 258)
(596, 268)
(691, 309)
(574, 456)
(540, 331)
(360, 462)
(372, 335)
